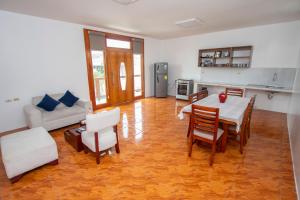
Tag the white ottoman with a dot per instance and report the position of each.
(27, 150)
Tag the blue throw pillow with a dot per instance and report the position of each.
(48, 103)
(68, 99)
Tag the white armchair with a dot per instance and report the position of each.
(101, 132)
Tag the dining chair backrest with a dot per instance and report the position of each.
(98, 121)
(193, 98)
(245, 118)
(252, 102)
(205, 119)
(202, 94)
(198, 96)
(234, 92)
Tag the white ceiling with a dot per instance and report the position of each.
(156, 18)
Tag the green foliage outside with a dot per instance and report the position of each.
(98, 71)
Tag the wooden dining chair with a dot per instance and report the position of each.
(193, 98)
(204, 127)
(252, 102)
(239, 92)
(242, 131)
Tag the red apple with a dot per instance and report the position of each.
(222, 97)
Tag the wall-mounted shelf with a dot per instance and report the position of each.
(236, 57)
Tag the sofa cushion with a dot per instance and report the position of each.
(48, 103)
(208, 136)
(106, 137)
(37, 99)
(62, 112)
(68, 99)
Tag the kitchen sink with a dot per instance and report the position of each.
(276, 87)
(267, 86)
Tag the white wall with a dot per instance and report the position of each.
(40, 56)
(294, 127)
(153, 54)
(274, 46)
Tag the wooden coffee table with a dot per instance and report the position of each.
(73, 137)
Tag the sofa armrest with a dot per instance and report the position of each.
(85, 104)
(33, 116)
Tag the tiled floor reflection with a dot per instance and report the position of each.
(153, 163)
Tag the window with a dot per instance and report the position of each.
(99, 76)
(138, 53)
(137, 65)
(118, 43)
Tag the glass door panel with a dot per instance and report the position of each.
(123, 76)
(182, 89)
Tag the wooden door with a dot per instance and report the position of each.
(120, 73)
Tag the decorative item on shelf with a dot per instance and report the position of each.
(225, 54)
(207, 62)
(222, 97)
(218, 54)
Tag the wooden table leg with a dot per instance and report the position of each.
(224, 139)
(189, 129)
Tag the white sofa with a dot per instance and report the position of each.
(27, 150)
(60, 117)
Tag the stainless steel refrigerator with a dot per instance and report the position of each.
(161, 79)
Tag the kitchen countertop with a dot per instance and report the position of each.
(261, 87)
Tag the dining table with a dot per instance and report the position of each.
(231, 112)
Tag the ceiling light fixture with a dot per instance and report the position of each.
(125, 2)
(189, 23)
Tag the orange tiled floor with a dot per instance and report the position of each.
(153, 163)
